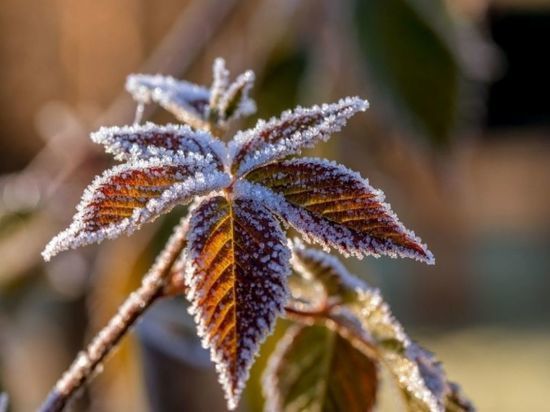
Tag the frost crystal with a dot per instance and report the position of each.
(289, 134)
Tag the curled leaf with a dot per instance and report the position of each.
(335, 207)
(289, 134)
(126, 196)
(236, 101)
(238, 263)
(188, 102)
(315, 369)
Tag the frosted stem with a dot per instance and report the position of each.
(86, 363)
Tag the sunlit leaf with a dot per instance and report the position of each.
(335, 207)
(128, 195)
(315, 369)
(419, 375)
(150, 140)
(410, 63)
(238, 263)
(289, 134)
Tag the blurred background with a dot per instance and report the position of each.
(457, 137)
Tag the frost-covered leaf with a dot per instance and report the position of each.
(230, 101)
(188, 102)
(290, 133)
(128, 195)
(418, 374)
(196, 105)
(335, 207)
(238, 263)
(315, 369)
(236, 101)
(150, 140)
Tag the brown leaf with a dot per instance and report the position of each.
(290, 134)
(336, 207)
(237, 268)
(128, 195)
(150, 140)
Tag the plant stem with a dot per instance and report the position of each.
(87, 362)
(339, 323)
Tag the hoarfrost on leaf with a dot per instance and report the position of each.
(197, 105)
(289, 134)
(236, 101)
(220, 76)
(128, 195)
(335, 207)
(237, 265)
(315, 369)
(188, 102)
(150, 140)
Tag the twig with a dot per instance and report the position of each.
(87, 362)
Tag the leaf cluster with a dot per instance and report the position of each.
(236, 262)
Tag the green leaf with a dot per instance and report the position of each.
(417, 372)
(409, 62)
(315, 369)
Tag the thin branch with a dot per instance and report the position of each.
(86, 363)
